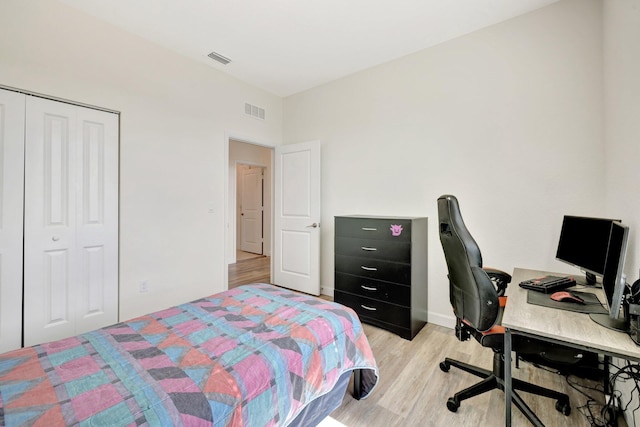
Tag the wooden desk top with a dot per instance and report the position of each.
(566, 326)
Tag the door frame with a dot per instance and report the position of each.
(237, 214)
(230, 243)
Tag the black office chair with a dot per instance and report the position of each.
(476, 294)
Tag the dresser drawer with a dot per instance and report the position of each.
(374, 228)
(374, 309)
(375, 289)
(374, 269)
(370, 248)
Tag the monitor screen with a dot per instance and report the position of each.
(584, 243)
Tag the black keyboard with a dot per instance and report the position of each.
(548, 284)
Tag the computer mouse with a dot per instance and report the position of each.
(564, 296)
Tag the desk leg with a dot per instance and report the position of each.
(507, 377)
(606, 386)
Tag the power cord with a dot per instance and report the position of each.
(595, 412)
(593, 408)
(629, 372)
(599, 415)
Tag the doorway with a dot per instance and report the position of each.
(249, 210)
(250, 189)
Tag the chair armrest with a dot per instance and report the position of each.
(499, 278)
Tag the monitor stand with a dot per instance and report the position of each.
(616, 324)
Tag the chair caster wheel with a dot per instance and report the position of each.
(563, 407)
(444, 366)
(453, 404)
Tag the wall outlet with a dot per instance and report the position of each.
(143, 286)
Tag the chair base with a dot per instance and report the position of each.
(495, 380)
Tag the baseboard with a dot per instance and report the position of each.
(328, 291)
(441, 320)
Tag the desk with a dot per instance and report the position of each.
(562, 326)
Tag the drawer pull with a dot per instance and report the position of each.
(368, 308)
(369, 229)
(365, 248)
(368, 268)
(368, 288)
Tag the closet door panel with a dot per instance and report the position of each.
(11, 212)
(56, 288)
(97, 225)
(49, 221)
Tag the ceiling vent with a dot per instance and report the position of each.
(254, 111)
(217, 57)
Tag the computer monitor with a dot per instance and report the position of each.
(614, 280)
(598, 246)
(583, 243)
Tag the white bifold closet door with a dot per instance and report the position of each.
(11, 198)
(70, 220)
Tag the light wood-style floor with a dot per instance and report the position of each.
(251, 270)
(413, 391)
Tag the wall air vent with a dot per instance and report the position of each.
(253, 111)
(217, 57)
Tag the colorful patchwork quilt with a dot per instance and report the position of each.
(251, 356)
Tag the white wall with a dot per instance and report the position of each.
(621, 41)
(622, 119)
(508, 118)
(172, 142)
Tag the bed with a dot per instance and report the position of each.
(256, 355)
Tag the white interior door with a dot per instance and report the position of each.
(296, 257)
(70, 221)
(251, 208)
(11, 203)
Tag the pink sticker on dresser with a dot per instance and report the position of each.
(396, 230)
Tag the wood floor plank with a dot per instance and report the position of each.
(253, 270)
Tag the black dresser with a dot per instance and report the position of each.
(381, 270)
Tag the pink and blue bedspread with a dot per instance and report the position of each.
(251, 356)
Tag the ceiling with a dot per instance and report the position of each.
(288, 46)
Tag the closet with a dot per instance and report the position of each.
(58, 219)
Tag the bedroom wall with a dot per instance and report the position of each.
(174, 115)
(621, 50)
(508, 118)
(622, 126)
